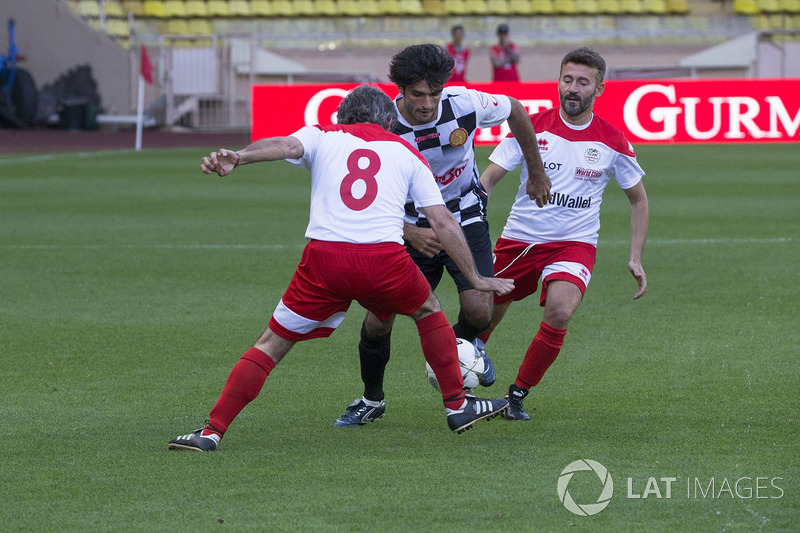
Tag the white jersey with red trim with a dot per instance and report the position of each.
(361, 176)
(579, 161)
(447, 144)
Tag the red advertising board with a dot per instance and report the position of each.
(648, 111)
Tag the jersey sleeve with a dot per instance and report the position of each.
(490, 109)
(626, 170)
(309, 137)
(508, 154)
(423, 189)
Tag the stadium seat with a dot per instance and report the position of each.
(175, 8)
(609, 7)
(136, 7)
(790, 6)
(154, 8)
(176, 26)
(239, 8)
(118, 28)
(455, 7)
(261, 8)
(114, 9)
(200, 26)
(565, 7)
(434, 7)
(655, 7)
(195, 8)
(388, 7)
(745, 7)
(217, 8)
(520, 7)
(284, 8)
(358, 8)
(476, 7)
(325, 7)
(587, 7)
(542, 7)
(305, 7)
(497, 7)
(768, 6)
(411, 7)
(679, 7)
(633, 7)
(89, 8)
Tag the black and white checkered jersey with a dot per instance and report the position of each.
(451, 153)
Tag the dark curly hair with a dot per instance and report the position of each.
(421, 62)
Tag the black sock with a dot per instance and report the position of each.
(374, 353)
(465, 330)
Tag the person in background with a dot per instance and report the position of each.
(504, 56)
(460, 54)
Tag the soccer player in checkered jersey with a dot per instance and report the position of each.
(557, 243)
(361, 176)
(441, 122)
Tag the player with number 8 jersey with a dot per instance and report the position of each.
(361, 176)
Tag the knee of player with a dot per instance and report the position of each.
(558, 317)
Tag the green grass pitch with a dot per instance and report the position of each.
(131, 284)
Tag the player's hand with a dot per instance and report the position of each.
(501, 286)
(424, 240)
(538, 188)
(638, 273)
(222, 162)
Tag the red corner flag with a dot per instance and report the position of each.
(147, 67)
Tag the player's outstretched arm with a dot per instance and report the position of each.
(224, 161)
(640, 216)
(491, 177)
(538, 186)
(452, 238)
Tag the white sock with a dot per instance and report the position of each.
(371, 403)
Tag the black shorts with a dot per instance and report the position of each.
(479, 242)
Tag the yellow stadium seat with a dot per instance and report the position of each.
(587, 7)
(609, 7)
(633, 7)
(261, 8)
(195, 8)
(389, 7)
(434, 7)
(745, 7)
(284, 8)
(154, 8)
(566, 7)
(89, 8)
(542, 7)
(305, 7)
(411, 7)
(135, 7)
(175, 8)
(497, 7)
(177, 26)
(790, 6)
(768, 6)
(114, 9)
(656, 7)
(476, 7)
(679, 7)
(353, 8)
(118, 28)
(520, 7)
(217, 8)
(239, 8)
(325, 7)
(200, 27)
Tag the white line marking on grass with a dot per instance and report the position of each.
(66, 155)
(771, 240)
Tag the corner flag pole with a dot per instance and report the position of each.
(145, 75)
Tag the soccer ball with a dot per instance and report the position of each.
(471, 366)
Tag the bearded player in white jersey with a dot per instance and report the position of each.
(557, 243)
(361, 176)
(441, 122)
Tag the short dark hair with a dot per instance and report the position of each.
(366, 104)
(586, 56)
(421, 62)
(456, 27)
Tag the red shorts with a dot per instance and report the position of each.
(381, 277)
(526, 263)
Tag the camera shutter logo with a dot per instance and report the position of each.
(586, 509)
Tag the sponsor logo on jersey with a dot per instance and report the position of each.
(450, 175)
(587, 174)
(591, 155)
(565, 200)
(543, 145)
(458, 137)
(426, 137)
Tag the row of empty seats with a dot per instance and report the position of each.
(367, 8)
(756, 7)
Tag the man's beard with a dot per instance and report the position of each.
(583, 105)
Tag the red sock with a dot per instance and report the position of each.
(540, 355)
(485, 336)
(243, 385)
(439, 348)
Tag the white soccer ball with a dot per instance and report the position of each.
(471, 366)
